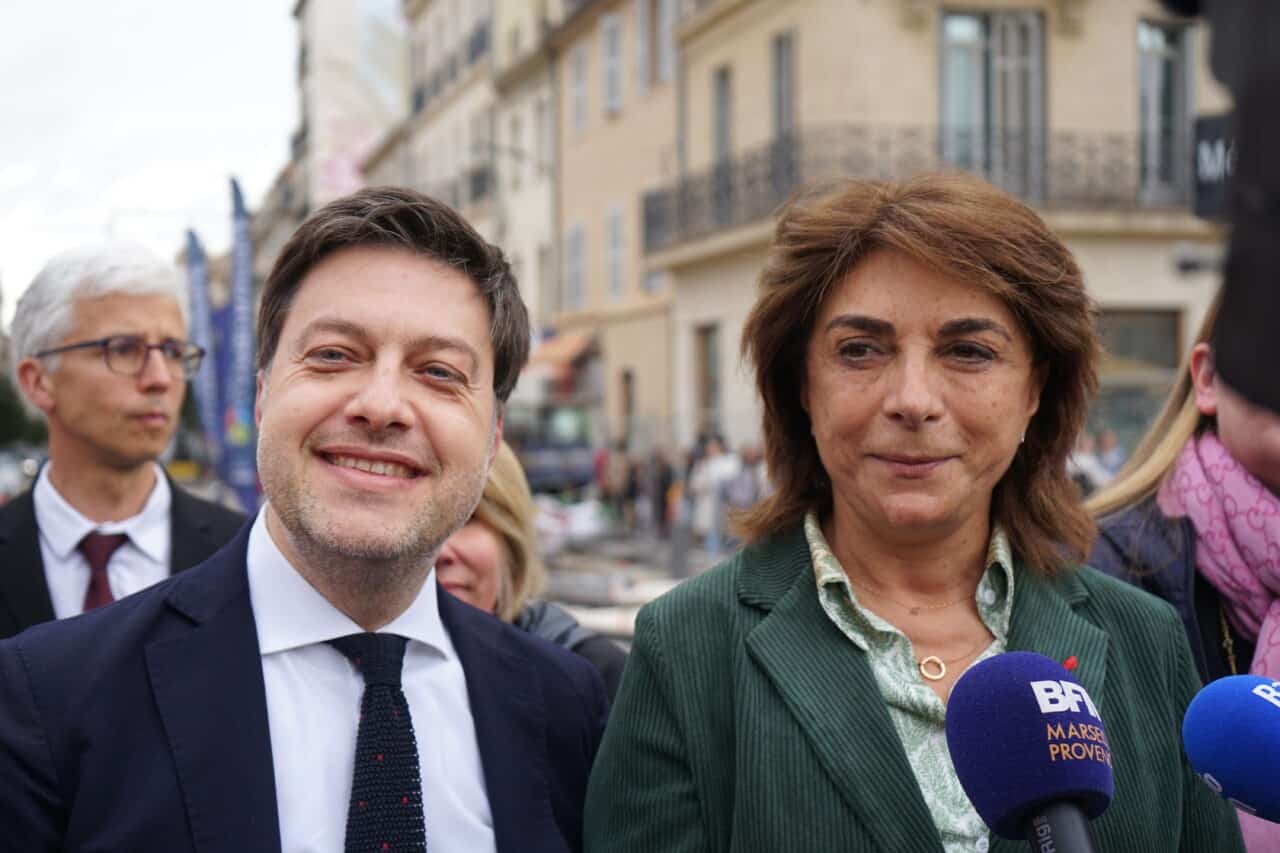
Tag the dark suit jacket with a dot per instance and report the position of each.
(197, 527)
(748, 722)
(142, 726)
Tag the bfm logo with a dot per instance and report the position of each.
(1269, 693)
(1058, 697)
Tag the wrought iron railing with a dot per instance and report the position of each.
(1053, 170)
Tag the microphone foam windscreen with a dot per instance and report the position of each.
(1023, 734)
(1232, 736)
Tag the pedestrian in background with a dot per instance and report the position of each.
(100, 351)
(1110, 452)
(707, 479)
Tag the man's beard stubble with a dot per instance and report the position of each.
(366, 561)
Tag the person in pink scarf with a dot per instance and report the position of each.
(1194, 517)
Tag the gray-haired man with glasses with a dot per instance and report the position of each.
(100, 350)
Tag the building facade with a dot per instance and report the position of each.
(1082, 108)
(444, 145)
(350, 90)
(616, 70)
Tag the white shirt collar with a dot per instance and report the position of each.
(63, 526)
(290, 613)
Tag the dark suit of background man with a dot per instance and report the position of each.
(100, 350)
(310, 687)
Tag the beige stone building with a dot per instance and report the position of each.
(524, 154)
(1081, 107)
(350, 90)
(616, 69)
(444, 146)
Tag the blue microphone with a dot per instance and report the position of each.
(1231, 733)
(1029, 749)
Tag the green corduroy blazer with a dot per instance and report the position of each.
(747, 722)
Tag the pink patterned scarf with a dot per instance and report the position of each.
(1237, 523)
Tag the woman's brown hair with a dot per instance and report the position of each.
(969, 230)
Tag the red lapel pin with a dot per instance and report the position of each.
(1070, 663)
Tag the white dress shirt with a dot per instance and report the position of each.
(135, 565)
(313, 710)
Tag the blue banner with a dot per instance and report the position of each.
(222, 360)
(239, 468)
(205, 383)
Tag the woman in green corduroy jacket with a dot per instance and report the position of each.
(925, 352)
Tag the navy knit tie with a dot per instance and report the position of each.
(385, 812)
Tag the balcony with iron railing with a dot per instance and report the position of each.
(1050, 170)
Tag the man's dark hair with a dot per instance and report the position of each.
(401, 218)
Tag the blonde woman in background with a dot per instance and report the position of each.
(493, 563)
(1194, 517)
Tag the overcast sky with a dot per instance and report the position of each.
(125, 119)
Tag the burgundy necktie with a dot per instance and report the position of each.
(97, 549)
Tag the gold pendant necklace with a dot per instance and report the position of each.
(934, 668)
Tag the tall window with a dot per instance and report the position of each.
(722, 105)
(1139, 365)
(611, 61)
(1164, 96)
(645, 52)
(617, 248)
(545, 295)
(706, 354)
(993, 97)
(516, 156)
(667, 15)
(542, 136)
(784, 84)
(578, 83)
(575, 267)
(722, 145)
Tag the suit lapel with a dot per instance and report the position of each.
(23, 588)
(830, 690)
(207, 681)
(1045, 621)
(508, 711)
(189, 537)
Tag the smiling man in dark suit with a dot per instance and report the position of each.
(310, 687)
(100, 352)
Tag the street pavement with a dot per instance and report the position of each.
(604, 583)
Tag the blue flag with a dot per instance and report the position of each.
(205, 383)
(239, 468)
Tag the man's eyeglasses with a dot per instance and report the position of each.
(127, 354)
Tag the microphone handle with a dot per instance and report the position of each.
(1060, 828)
